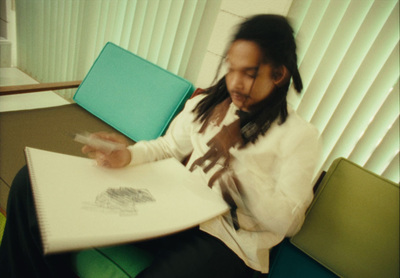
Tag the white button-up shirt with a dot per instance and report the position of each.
(275, 173)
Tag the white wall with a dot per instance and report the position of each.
(8, 27)
(232, 13)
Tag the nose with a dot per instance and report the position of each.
(235, 80)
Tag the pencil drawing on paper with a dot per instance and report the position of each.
(121, 200)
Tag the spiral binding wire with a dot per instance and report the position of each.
(37, 201)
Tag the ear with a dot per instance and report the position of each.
(281, 75)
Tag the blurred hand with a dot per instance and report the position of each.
(115, 159)
(219, 146)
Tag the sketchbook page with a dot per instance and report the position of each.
(81, 205)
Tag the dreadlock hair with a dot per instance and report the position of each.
(274, 35)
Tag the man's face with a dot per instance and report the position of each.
(248, 81)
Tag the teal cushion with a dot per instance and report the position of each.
(291, 262)
(136, 97)
(109, 262)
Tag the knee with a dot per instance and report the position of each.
(20, 186)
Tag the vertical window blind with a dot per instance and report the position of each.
(58, 40)
(348, 54)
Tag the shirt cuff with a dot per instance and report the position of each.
(138, 154)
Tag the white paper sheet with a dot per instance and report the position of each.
(76, 209)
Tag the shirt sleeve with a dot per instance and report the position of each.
(175, 143)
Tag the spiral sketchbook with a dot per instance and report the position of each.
(81, 205)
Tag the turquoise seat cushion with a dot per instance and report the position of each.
(131, 94)
(291, 262)
(110, 262)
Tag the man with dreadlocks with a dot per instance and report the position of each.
(247, 145)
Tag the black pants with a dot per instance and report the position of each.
(188, 254)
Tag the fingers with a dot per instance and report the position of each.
(113, 137)
(102, 160)
(212, 163)
(117, 158)
(200, 161)
(215, 177)
(213, 155)
(89, 151)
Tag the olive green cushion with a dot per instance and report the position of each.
(352, 226)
